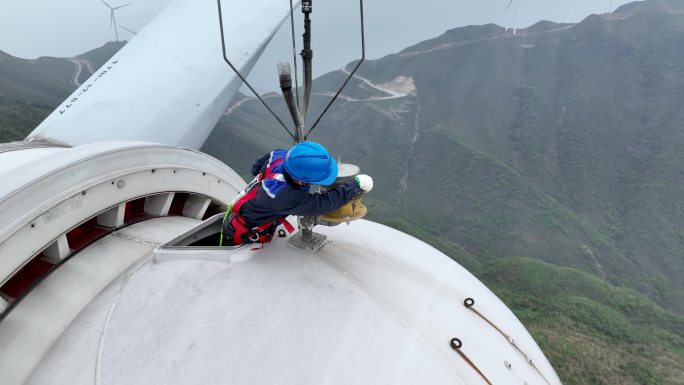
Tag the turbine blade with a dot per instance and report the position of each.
(121, 6)
(103, 2)
(121, 26)
(509, 4)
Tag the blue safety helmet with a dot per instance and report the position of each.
(310, 162)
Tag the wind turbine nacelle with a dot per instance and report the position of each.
(137, 292)
(108, 270)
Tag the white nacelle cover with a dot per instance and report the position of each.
(374, 306)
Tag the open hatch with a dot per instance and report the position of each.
(205, 236)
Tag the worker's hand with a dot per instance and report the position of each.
(365, 182)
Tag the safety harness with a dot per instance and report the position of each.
(242, 231)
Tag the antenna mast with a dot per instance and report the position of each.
(307, 56)
(298, 106)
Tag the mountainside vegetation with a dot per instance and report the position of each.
(48, 80)
(549, 163)
(591, 331)
(31, 89)
(17, 119)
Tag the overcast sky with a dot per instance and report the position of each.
(65, 28)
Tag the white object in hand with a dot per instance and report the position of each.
(365, 182)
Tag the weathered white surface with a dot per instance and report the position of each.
(15, 162)
(359, 312)
(41, 319)
(43, 199)
(3, 305)
(159, 204)
(169, 84)
(196, 206)
(58, 250)
(113, 217)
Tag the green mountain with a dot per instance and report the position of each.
(591, 331)
(48, 80)
(31, 89)
(18, 119)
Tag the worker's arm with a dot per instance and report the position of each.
(306, 204)
(263, 162)
(259, 164)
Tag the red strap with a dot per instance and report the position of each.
(268, 173)
(238, 222)
(290, 229)
(250, 195)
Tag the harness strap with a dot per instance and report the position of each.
(257, 234)
(250, 195)
(288, 226)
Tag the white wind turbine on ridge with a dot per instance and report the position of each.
(112, 20)
(515, 17)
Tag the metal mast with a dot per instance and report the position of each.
(298, 107)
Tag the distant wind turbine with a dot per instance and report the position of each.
(133, 32)
(515, 17)
(610, 8)
(112, 20)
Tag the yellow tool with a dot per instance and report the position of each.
(354, 209)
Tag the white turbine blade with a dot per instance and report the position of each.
(509, 4)
(103, 2)
(121, 26)
(121, 6)
(184, 112)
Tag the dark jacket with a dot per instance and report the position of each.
(280, 199)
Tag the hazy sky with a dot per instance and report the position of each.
(65, 28)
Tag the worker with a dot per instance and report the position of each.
(281, 188)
